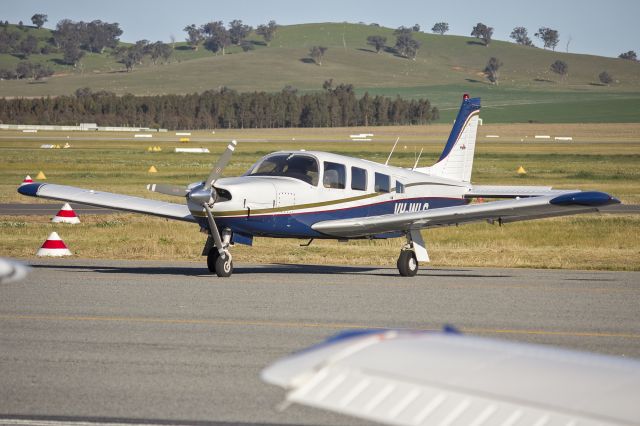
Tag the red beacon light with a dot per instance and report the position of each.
(465, 96)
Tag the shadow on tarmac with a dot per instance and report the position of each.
(197, 271)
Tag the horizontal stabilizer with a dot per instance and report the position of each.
(505, 191)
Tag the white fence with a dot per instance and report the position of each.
(84, 127)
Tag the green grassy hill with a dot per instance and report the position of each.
(446, 66)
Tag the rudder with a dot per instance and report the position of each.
(456, 160)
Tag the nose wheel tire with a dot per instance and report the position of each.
(407, 263)
(216, 264)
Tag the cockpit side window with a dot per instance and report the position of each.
(382, 183)
(296, 166)
(335, 175)
(358, 179)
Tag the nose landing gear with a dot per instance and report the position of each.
(219, 262)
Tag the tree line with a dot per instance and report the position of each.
(492, 71)
(405, 45)
(74, 39)
(335, 106)
(217, 37)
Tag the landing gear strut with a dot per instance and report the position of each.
(413, 252)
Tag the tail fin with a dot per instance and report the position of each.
(456, 161)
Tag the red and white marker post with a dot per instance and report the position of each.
(54, 246)
(26, 180)
(66, 215)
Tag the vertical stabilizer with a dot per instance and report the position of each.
(456, 160)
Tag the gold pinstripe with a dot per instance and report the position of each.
(288, 208)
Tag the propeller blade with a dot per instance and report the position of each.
(163, 188)
(221, 164)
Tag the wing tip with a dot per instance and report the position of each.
(30, 189)
(589, 198)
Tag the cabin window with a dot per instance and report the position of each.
(297, 166)
(399, 187)
(358, 179)
(382, 183)
(335, 175)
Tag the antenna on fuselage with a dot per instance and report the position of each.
(392, 149)
(417, 159)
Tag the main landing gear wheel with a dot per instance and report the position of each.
(221, 267)
(407, 263)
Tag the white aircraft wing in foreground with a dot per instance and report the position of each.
(11, 270)
(536, 207)
(426, 378)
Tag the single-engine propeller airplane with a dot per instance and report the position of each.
(311, 194)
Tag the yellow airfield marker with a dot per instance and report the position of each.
(521, 171)
(41, 175)
(153, 169)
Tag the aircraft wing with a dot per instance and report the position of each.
(427, 378)
(496, 211)
(507, 191)
(108, 200)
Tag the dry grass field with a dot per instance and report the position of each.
(602, 157)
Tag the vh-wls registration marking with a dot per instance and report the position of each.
(410, 207)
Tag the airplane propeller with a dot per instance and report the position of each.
(163, 188)
(206, 196)
(203, 194)
(221, 164)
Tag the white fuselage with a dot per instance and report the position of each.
(287, 204)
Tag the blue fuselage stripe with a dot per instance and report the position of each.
(298, 225)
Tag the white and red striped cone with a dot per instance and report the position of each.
(54, 246)
(26, 180)
(66, 215)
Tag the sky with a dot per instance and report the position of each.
(605, 28)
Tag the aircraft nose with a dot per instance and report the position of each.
(201, 196)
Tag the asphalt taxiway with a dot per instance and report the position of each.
(143, 342)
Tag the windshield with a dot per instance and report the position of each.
(296, 166)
